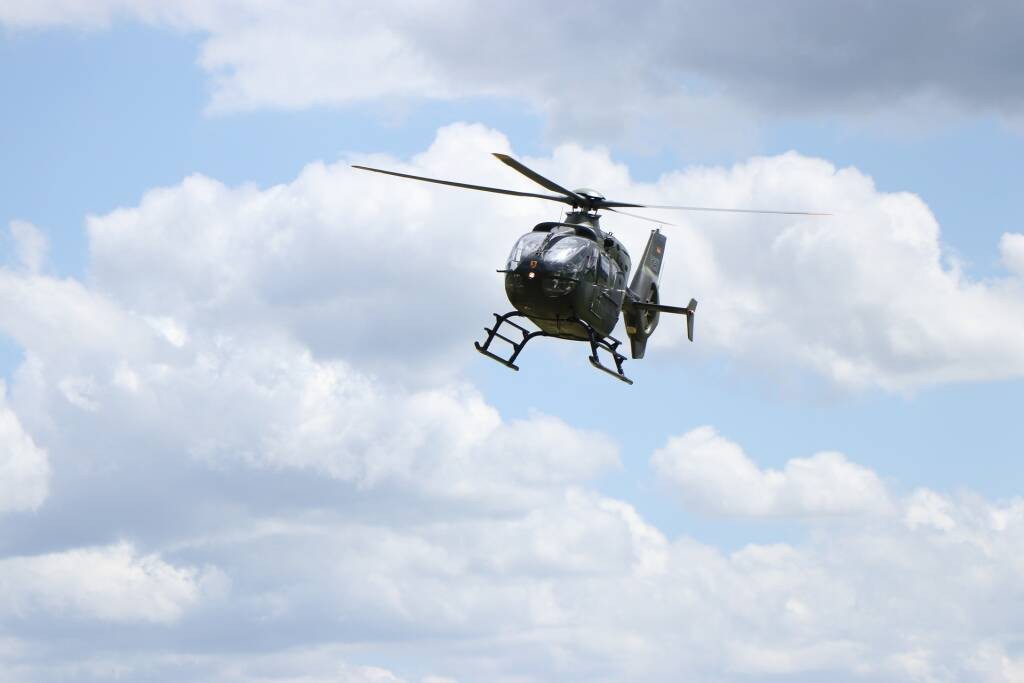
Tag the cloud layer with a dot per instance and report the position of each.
(251, 480)
(24, 467)
(696, 63)
(583, 588)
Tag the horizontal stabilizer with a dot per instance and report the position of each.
(689, 311)
(668, 309)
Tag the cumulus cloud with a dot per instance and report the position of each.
(582, 587)
(31, 244)
(714, 474)
(110, 583)
(268, 403)
(282, 329)
(689, 64)
(1011, 248)
(331, 419)
(350, 265)
(313, 664)
(865, 298)
(24, 466)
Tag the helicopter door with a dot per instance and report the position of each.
(609, 293)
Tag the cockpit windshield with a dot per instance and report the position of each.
(527, 245)
(562, 249)
(568, 252)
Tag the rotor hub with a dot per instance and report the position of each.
(593, 197)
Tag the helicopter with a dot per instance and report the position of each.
(568, 277)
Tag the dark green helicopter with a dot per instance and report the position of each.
(568, 277)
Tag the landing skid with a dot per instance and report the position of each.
(609, 344)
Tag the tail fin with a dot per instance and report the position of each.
(691, 310)
(641, 321)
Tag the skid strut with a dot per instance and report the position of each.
(517, 347)
(611, 345)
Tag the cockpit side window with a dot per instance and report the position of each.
(608, 273)
(604, 273)
(613, 281)
(626, 266)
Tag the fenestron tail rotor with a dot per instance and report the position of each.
(579, 199)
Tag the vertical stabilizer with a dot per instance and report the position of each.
(641, 322)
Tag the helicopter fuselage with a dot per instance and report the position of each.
(565, 276)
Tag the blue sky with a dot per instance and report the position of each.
(104, 108)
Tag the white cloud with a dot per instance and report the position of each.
(329, 418)
(58, 12)
(1011, 248)
(39, 313)
(583, 588)
(30, 243)
(313, 664)
(24, 466)
(928, 509)
(714, 474)
(350, 265)
(265, 402)
(109, 583)
(866, 297)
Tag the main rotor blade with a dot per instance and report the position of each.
(605, 204)
(467, 186)
(539, 179)
(643, 218)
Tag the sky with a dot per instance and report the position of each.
(244, 436)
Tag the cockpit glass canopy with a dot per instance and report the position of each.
(560, 248)
(527, 245)
(568, 252)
